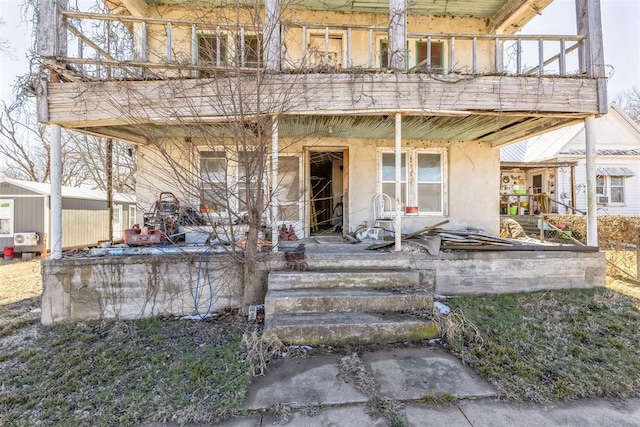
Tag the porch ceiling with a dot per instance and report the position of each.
(494, 129)
(480, 8)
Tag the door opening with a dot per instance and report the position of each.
(326, 210)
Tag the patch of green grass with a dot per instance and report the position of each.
(439, 399)
(108, 373)
(554, 345)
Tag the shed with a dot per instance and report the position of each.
(24, 210)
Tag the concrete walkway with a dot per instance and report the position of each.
(394, 384)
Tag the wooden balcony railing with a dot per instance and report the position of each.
(107, 47)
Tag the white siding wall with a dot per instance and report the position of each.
(632, 185)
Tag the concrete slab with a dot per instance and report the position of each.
(422, 416)
(330, 417)
(407, 374)
(584, 413)
(302, 382)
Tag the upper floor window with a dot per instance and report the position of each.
(220, 51)
(436, 63)
(212, 49)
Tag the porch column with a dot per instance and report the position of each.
(397, 45)
(271, 36)
(589, 24)
(398, 190)
(590, 149)
(56, 192)
(273, 190)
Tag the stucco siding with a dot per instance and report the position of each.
(471, 178)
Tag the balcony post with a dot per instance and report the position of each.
(271, 36)
(397, 46)
(589, 24)
(590, 160)
(52, 28)
(274, 184)
(56, 192)
(397, 227)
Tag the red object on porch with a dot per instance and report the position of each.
(8, 253)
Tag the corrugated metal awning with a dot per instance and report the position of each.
(614, 171)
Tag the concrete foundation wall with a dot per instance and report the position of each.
(136, 287)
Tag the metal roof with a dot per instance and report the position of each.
(71, 192)
(614, 171)
(603, 152)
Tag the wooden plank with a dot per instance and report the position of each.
(332, 94)
(408, 236)
(52, 35)
(525, 248)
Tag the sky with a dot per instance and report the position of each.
(620, 22)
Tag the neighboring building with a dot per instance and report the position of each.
(440, 83)
(554, 163)
(25, 210)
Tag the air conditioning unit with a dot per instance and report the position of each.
(25, 239)
(603, 200)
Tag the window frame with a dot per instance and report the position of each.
(412, 181)
(607, 189)
(11, 210)
(438, 68)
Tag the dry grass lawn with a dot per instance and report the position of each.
(19, 280)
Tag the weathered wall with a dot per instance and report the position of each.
(135, 287)
(416, 25)
(471, 192)
(144, 286)
(501, 272)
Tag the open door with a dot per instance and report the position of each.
(327, 190)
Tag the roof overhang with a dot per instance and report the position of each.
(536, 165)
(503, 16)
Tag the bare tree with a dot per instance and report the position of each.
(220, 169)
(5, 46)
(629, 101)
(25, 145)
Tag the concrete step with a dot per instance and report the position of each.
(279, 280)
(352, 328)
(334, 300)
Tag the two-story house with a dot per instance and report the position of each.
(304, 113)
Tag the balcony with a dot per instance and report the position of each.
(491, 88)
(112, 47)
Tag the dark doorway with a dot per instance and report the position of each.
(327, 185)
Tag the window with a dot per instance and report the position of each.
(6, 218)
(132, 216)
(249, 54)
(388, 178)
(384, 54)
(212, 48)
(422, 179)
(225, 181)
(610, 189)
(437, 56)
(616, 186)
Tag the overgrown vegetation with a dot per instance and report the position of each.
(108, 373)
(553, 345)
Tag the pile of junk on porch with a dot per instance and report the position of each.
(170, 227)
